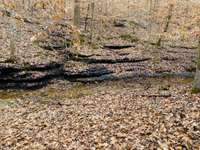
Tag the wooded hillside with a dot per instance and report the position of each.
(100, 74)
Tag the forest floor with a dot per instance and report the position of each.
(130, 114)
(141, 110)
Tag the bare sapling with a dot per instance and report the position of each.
(166, 27)
(92, 22)
(12, 45)
(87, 17)
(77, 13)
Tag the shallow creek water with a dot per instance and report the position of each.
(69, 90)
(51, 92)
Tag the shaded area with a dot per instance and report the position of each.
(111, 61)
(38, 76)
(112, 46)
(132, 75)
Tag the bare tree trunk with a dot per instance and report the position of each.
(196, 84)
(150, 9)
(87, 17)
(92, 22)
(26, 4)
(168, 20)
(128, 8)
(77, 13)
(76, 42)
(152, 4)
(12, 37)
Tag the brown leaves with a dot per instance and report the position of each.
(111, 117)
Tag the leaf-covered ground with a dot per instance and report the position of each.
(141, 113)
(130, 114)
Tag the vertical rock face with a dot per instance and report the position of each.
(57, 36)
